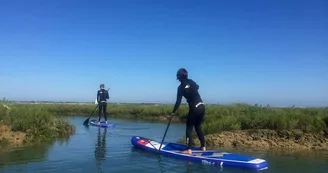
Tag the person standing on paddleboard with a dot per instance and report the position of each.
(102, 96)
(189, 90)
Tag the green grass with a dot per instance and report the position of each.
(246, 117)
(39, 124)
(218, 118)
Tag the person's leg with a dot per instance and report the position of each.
(105, 111)
(200, 112)
(99, 112)
(189, 127)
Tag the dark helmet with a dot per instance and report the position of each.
(182, 74)
(102, 86)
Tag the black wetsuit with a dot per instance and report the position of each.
(189, 89)
(102, 96)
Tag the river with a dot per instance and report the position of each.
(98, 150)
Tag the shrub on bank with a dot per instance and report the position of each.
(218, 117)
(245, 117)
(38, 124)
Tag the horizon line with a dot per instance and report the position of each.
(156, 103)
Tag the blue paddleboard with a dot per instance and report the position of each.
(211, 157)
(102, 124)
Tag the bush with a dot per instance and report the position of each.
(39, 125)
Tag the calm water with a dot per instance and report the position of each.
(99, 150)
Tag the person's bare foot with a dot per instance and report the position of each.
(187, 152)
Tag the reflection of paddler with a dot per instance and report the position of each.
(100, 150)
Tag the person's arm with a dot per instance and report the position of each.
(107, 94)
(98, 97)
(178, 101)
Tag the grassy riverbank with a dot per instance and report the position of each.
(218, 118)
(238, 118)
(25, 125)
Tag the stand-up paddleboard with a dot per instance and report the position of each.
(211, 157)
(102, 124)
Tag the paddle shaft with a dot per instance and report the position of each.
(94, 110)
(167, 127)
(87, 120)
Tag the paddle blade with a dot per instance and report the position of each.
(86, 122)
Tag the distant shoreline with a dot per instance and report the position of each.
(152, 103)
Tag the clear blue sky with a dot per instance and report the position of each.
(267, 52)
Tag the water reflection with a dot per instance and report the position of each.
(23, 155)
(88, 150)
(100, 149)
(161, 164)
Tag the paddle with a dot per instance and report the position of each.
(167, 127)
(86, 122)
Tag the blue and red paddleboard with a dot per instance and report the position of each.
(102, 124)
(212, 157)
